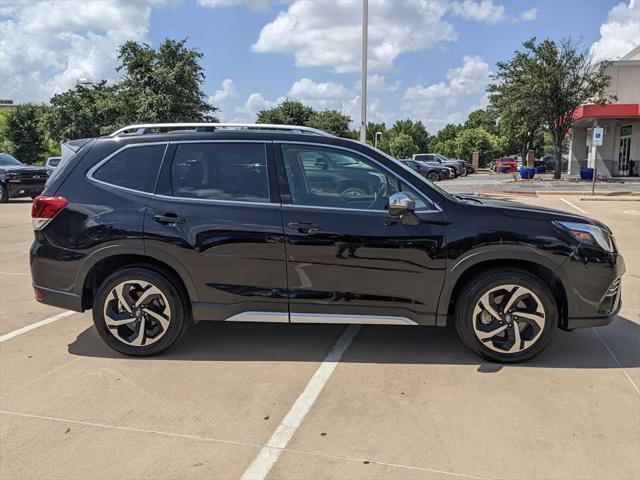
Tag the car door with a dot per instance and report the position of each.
(348, 261)
(216, 216)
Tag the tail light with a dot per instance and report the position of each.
(45, 209)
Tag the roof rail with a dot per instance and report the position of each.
(141, 129)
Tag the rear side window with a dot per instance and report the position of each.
(221, 171)
(135, 168)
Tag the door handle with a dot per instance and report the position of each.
(304, 227)
(168, 219)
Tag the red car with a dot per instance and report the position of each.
(506, 165)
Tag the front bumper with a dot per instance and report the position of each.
(17, 189)
(595, 294)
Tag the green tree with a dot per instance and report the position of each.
(444, 142)
(289, 112)
(5, 144)
(402, 145)
(486, 118)
(23, 135)
(84, 112)
(478, 140)
(553, 80)
(415, 130)
(163, 85)
(331, 121)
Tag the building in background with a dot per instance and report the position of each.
(7, 104)
(619, 154)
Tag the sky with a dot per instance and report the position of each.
(429, 60)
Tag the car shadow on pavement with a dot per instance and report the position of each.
(260, 342)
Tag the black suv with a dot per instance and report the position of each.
(154, 229)
(20, 180)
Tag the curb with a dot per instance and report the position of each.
(611, 199)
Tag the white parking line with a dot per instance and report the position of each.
(572, 205)
(33, 326)
(616, 360)
(268, 456)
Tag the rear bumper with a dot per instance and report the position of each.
(58, 298)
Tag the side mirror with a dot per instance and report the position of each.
(401, 204)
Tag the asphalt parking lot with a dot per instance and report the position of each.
(401, 402)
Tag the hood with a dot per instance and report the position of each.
(24, 168)
(521, 210)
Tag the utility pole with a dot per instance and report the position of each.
(363, 82)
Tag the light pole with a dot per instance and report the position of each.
(363, 82)
(375, 142)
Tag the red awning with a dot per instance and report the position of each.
(619, 110)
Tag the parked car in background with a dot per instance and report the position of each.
(52, 162)
(20, 180)
(506, 165)
(547, 164)
(432, 172)
(155, 230)
(460, 166)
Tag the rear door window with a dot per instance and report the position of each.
(134, 168)
(221, 171)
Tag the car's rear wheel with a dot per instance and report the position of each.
(506, 315)
(139, 312)
(4, 194)
(433, 176)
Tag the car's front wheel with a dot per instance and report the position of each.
(433, 176)
(139, 312)
(506, 315)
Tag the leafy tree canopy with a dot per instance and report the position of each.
(22, 134)
(289, 112)
(415, 130)
(546, 82)
(402, 145)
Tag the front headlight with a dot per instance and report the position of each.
(587, 233)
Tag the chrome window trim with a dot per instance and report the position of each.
(428, 200)
(345, 209)
(93, 169)
(239, 203)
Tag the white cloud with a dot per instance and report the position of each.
(254, 104)
(528, 15)
(433, 103)
(46, 46)
(227, 92)
(620, 33)
(328, 34)
(483, 11)
(324, 95)
(256, 5)
(378, 83)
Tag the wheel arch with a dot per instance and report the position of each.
(102, 268)
(547, 272)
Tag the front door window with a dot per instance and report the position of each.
(326, 177)
(624, 150)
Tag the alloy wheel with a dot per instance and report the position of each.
(137, 313)
(509, 318)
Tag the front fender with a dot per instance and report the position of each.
(494, 254)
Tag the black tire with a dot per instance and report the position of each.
(4, 194)
(469, 298)
(176, 300)
(433, 176)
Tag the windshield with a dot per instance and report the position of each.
(7, 160)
